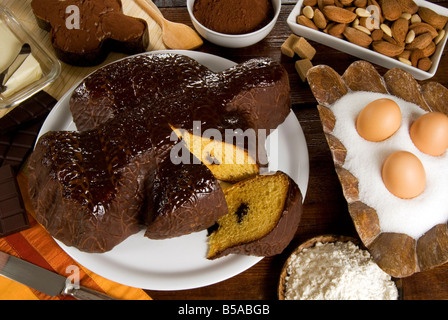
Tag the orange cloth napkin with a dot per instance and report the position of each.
(37, 246)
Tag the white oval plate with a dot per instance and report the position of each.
(180, 263)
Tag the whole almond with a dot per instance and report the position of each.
(387, 48)
(433, 18)
(377, 34)
(310, 3)
(420, 42)
(391, 9)
(416, 55)
(399, 29)
(360, 3)
(391, 40)
(319, 19)
(338, 3)
(339, 15)
(408, 6)
(374, 3)
(304, 21)
(337, 29)
(406, 54)
(322, 3)
(424, 64)
(422, 27)
(346, 2)
(430, 49)
(357, 37)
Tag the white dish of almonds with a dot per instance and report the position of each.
(367, 53)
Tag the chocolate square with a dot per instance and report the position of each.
(13, 217)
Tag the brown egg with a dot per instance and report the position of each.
(404, 175)
(430, 133)
(379, 120)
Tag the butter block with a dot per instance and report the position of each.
(29, 72)
(10, 46)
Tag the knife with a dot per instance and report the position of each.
(44, 280)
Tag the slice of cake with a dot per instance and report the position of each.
(264, 213)
(227, 161)
(182, 199)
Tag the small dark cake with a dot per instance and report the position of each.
(85, 36)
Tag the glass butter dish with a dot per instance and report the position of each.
(25, 66)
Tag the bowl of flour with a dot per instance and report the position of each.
(331, 267)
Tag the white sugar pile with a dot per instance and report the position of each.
(364, 160)
(337, 271)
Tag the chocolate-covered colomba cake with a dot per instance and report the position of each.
(94, 187)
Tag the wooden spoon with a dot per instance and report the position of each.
(174, 35)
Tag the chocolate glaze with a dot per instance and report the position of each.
(185, 198)
(93, 188)
(88, 187)
(102, 28)
(252, 94)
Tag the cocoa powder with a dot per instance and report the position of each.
(233, 16)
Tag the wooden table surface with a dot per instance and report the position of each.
(325, 209)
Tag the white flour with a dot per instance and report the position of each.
(337, 271)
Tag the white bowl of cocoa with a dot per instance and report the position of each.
(234, 23)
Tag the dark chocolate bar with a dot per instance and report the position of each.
(18, 133)
(35, 108)
(20, 127)
(16, 146)
(13, 217)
